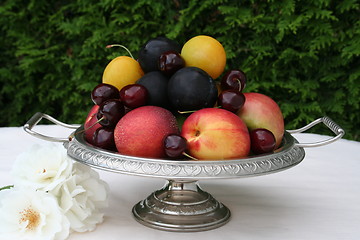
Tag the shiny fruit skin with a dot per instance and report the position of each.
(103, 92)
(122, 71)
(90, 124)
(104, 138)
(134, 96)
(231, 100)
(175, 145)
(170, 62)
(206, 53)
(150, 52)
(261, 111)
(156, 84)
(216, 134)
(141, 132)
(262, 141)
(191, 88)
(110, 112)
(234, 79)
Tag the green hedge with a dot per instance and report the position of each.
(304, 54)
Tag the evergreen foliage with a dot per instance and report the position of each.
(304, 54)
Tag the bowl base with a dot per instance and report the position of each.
(181, 207)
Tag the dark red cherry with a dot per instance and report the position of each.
(110, 112)
(150, 52)
(262, 141)
(170, 62)
(103, 92)
(134, 95)
(231, 100)
(104, 138)
(234, 79)
(175, 145)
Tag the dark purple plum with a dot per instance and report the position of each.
(190, 89)
(156, 84)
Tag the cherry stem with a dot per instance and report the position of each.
(122, 46)
(103, 117)
(238, 80)
(184, 112)
(189, 156)
(192, 111)
(72, 136)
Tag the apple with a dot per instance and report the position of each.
(141, 132)
(90, 124)
(261, 111)
(216, 134)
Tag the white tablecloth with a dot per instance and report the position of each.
(317, 199)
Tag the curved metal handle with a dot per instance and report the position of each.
(36, 118)
(335, 128)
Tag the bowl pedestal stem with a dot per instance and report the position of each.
(181, 206)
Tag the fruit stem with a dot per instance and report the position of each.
(72, 136)
(122, 46)
(192, 111)
(103, 117)
(185, 112)
(189, 156)
(238, 80)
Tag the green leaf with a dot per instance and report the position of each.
(304, 54)
(6, 187)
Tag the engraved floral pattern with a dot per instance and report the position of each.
(185, 170)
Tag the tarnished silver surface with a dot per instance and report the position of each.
(36, 118)
(328, 122)
(286, 156)
(181, 205)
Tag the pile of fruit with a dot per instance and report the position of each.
(177, 102)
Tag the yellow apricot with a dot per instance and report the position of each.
(122, 71)
(206, 53)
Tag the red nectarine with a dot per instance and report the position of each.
(90, 124)
(216, 134)
(141, 132)
(260, 111)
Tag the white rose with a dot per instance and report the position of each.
(43, 167)
(79, 191)
(27, 214)
(82, 197)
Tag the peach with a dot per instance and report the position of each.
(216, 134)
(261, 111)
(141, 132)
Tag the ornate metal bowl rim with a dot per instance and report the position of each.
(288, 155)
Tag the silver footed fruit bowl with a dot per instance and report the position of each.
(181, 205)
